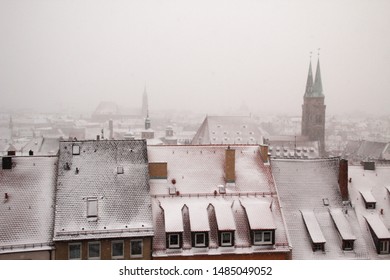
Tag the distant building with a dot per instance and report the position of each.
(313, 110)
(215, 202)
(362, 150)
(228, 130)
(103, 207)
(27, 207)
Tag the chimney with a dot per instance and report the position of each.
(7, 162)
(230, 165)
(31, 153)
(158, 170)
(343, 179)
(264, 153)
(97, 137)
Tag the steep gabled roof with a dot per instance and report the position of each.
(27, 207)
(123, 201)
(312, 185)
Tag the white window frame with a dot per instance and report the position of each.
(200, 244)
(170, 245)
(230, 243)
(92, 207)
(112, 249)
(100, 250)
(384, 246)
(133, 256)
(262, 233)
(75, 150)
(81, 251)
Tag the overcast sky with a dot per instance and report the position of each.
(205, 55)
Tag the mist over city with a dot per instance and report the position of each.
(195, 130)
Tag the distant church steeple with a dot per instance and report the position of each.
(145, 105)
(313, 109)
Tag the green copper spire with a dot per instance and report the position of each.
(309, 82)
(317, 87)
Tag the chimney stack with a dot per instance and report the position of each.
(264, 153)
(31, 153)
(230, 165)
(111, 129)
(343, 179)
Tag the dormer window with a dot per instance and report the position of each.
(199, 239)
(369, 199)
(173, 240)
(262, 237)
(226, 238)
(75, 150)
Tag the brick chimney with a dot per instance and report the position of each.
(264, 153)
(343, 179)
(230, 165)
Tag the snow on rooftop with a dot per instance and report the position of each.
(377, 226)
(223, 212)
(342, 224)
(123, 201)
(259, 214)
(27, 214)
(368, 197)
(172, 215)
(313, 227)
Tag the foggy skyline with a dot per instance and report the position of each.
(205, 56)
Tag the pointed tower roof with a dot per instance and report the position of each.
(145, 105)
(317, 87)
(309, 82)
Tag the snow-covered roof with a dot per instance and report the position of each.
(228, 130)
(342, 224)
(197, 203)
(313, 227)
(312, 185)
(259, 214)
(114, 173)
(368, 197)
(375, 182)
(200, 169)
(27, 208)
(377, 226)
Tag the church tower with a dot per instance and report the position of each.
(145, 105)
(313, 109)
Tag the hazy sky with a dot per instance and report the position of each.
(205, 55)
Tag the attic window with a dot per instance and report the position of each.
(200, 239)
(75, 150)
(226, 238)
(262, 237)
(174, 240)
(119, 170)
(92, 207)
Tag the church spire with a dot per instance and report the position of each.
(317, 87)
(309, 82)
(145, 105)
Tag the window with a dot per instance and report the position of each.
(174, 240)
(370, 205)
(200, 239)
(119, 170)
(348, 245)
(94, 250)
(117, 249)
(92, 207)
(136, 249)
(384, 247)
(226, 239)
(262, 237)
(75, 149)
(75, 251)
(318, 246)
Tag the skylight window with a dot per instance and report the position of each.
(75, 150)
(92, 207)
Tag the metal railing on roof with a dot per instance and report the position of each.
(26, 246)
